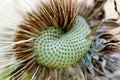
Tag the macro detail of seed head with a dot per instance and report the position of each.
(60, 34)
(57, 49)
(59, 40)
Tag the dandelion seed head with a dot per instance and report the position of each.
(58, 40)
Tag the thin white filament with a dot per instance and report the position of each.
(13, 65)
(25, 50)
(8, 33)
(33, 77)
(5, 42)
(23, 76)
(49, 78)
(3, 66)
(81, 73)
(29, 32)
(7, 53)
(4, 60)
(11, 19)
(5, 50)
(18, 42)
(6, 39)
(15, 73)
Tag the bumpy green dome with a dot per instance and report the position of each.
(55, 48)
